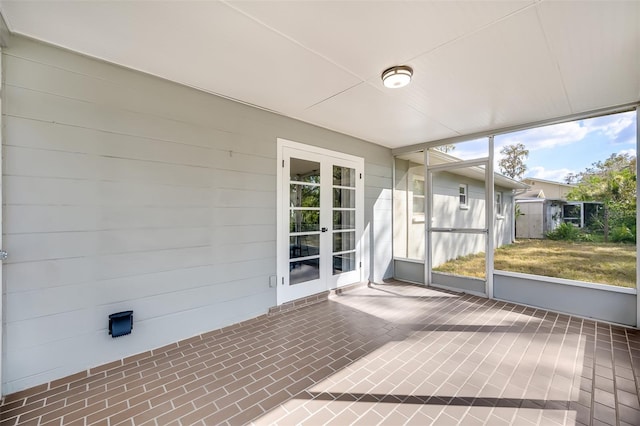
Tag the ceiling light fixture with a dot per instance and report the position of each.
(396, 77)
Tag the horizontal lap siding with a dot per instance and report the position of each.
(378, 212)
(123, 191)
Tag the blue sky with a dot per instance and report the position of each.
(555, 151)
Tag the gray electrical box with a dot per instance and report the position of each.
(273, 281)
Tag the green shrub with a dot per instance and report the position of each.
(565, 232)
(586, 237)
(622, 234)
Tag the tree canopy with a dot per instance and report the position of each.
(612, 182)
(512, 162)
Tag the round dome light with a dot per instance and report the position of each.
(396, 77)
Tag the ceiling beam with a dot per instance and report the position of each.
(510, 129)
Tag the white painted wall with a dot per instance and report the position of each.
(553, 190)
(124, 191)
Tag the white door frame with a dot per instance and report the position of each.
(2, 287)
(282, 221)
(489, 228)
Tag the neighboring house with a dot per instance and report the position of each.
(458, 202)
(541, 188)
(544, 206)
(539, 209)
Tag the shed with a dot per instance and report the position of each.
(538, 216)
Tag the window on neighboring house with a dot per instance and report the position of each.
(499, 208)
(418, 198)
(464, 200)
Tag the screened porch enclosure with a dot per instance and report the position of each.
(447, 235)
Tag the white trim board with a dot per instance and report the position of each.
(563, 281)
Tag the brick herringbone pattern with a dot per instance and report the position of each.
(387, 354)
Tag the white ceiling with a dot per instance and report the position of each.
(477, 65)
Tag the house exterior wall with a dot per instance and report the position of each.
(551, 189)
(127, 192)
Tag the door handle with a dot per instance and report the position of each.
(324, 229)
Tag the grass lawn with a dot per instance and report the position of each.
(604, 263)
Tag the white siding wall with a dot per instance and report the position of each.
(124, 191)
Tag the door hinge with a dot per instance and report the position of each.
(4, 255)
(361, 264)
(360, 175)
(283, 164)
(282, 280)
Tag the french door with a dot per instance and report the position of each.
(320, 221)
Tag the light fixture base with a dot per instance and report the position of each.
(396, 77)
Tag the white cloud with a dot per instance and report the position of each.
(611, 126)
(547, 137)
(617, 128)
(556, 175)
(631, 152)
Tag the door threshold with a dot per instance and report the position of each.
(299, 303)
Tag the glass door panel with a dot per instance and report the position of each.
(304, 221)
(344, 220)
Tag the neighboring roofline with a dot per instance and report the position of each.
(582, 202)
(530, 200)
(541, 200)
(550, 181)
(499, 179)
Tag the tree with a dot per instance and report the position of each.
(512, 162)
(612, 182)
(445, 148)
(571, 178)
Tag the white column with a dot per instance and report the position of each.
(490, 220)
(428, 214)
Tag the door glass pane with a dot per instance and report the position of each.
(304, 195)
(344, 262)
(344, 219)
(305, 270)
(344, 198)
(343, 241)
(304, 245)
(344, 176)
(304, 220)
(304, 171)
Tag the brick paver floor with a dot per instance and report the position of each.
(384, 354)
